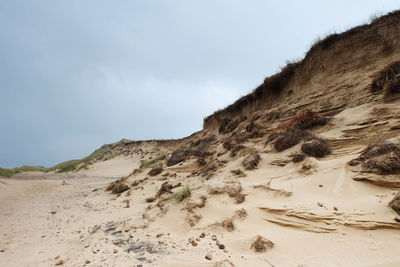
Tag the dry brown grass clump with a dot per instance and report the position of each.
(238, 173)
(388, 80)
(227, 125)
(382, 157)
(137, 182)
(261, 244)
(118, 186)
(178, 156)
(251, 161)
(165, 188)
(289, 138)
(234, 145)
(197, 148)
(305, 120)
(241, 214)
(395, 203)
(316, 148)
(209, 168)
(156, 170)
(228, 225)
(296, 158)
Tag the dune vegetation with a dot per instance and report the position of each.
(67, 166)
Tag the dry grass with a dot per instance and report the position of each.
(305, 120)
(261, 244)
(296, 158)
(241, 214)
(156, 170)
(316, 148)
(274, 85)
(228, 125)
(290, 138)
(165, 188)
(382, 157)
(388, 80)
(118, 186)
(238, 173)
(251, 161)
(228, 225)
(395, 203)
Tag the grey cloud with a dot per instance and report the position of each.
(77, 74)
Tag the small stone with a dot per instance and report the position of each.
(221, 246)
(335, 208)
(60, 262)
(194, 244)
(320, 204)
(218, 243)
(214, 237)
(160, 242)
(2, 250)
(208, 256)
(225, 250)
(191, 240)
(115, 251)
(320, 185)
(87, 261)
(202, 235)
(56, 258)
(397, 218)
(159, 235)
(198, 239)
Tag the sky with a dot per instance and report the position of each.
(76, 74)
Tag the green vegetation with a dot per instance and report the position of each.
(68, 166)
(11, 172)
(79, 164)
(182, 194)
(144, 164)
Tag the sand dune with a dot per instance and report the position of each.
(299, 177)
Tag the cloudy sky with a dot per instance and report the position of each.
(80, 73)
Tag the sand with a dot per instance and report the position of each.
(317, 218)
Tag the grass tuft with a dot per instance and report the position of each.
(185, 192)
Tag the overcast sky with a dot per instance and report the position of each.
(80, 73)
